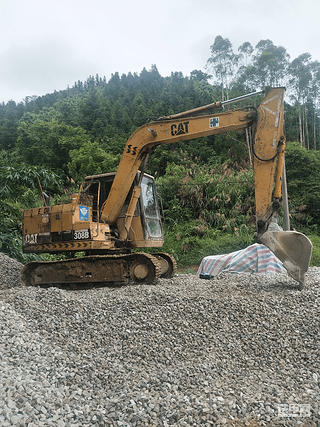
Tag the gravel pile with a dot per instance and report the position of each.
(236, 350)
(9, 272)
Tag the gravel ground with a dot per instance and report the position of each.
(236, 350)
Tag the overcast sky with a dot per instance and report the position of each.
(48, 45)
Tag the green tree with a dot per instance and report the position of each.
(19, 188)
(9, 119)
(91, 159)
(245, 50)
(270, 63)
(49, 143)
(299, 79)
(222, 63)
(314, 94)
(70, 110)
(8, 134)
(199, 75)
(303, 177)
(245, 68)
(139, 110)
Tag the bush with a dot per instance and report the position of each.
(303, 177)
(215, 195)
(191, 241)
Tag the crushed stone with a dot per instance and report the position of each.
(235, 350)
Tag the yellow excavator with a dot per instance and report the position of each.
(114, 213)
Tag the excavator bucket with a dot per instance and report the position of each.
(293, 249)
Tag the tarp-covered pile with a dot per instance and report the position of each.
(254, 259)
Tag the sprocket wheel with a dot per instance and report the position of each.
(144, 269)
(171, 265)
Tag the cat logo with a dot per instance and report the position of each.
(180, 129)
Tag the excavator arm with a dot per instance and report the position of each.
(292, 248)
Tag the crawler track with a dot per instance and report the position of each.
(138, 267)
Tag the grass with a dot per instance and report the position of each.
(315, 257)
(190, 243)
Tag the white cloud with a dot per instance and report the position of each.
(47, 45)
(42, 67)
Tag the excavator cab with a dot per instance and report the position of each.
(146, 227)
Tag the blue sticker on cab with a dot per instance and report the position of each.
(83, 213)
